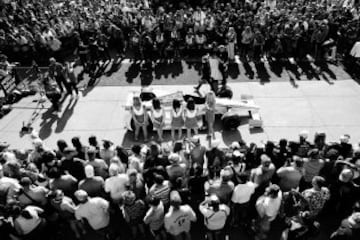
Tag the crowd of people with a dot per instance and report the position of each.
(172, 191)
(167, 30)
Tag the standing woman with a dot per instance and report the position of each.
(231, 41)
(140, 117)
(157, 117)
(210, 112)
(177, 118)
(190, 118)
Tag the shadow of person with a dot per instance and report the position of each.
(248, 70)
(132, 72)
(233, 70)
(48, 119)
(67, 113)
(276, 67)
(230, 136)
(262, 73)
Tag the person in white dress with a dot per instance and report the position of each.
(177, 118)
(140, 117)
(190, 114)
(157, 117)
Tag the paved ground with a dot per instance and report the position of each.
(285, 110)
(297, 98)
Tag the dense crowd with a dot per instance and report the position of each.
(166, 30)
(159, 191)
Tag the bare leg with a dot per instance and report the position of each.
(137, 130)
(188, 133)
(159, 132)
(196, 131)
(180, 133)
(144, 128)
(173, 134)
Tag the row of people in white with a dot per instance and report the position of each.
(181, 115)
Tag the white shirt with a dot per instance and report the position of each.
(179, 221)
(268, 206)
(215, 220)
(242, 192)
(116, 185)
(95, 211)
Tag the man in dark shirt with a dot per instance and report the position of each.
(56, 71)
(73, 166)
(93, 185)
(215, 158)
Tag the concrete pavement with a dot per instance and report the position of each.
(285, 110)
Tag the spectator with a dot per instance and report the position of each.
(263, 174)
(92, 185)
(64, 182)
(155, 218)
(215, 215)
(117, 183)
(176, 169)
(267, 207)
(290, 176)
(161, 189)
(316, 196)
(312, 166)
(95, 211)
(134, 212)
(72, 165)
(222, 187)
(241, 200)
(179, 217)
(99, 165)
(31, 194)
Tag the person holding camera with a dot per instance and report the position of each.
(215, 216)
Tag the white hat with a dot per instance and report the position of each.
(235, 145)
(38, 142)
(215, 143)
(174, 158)
(304, 134)
(113, 169)
(237, 153)
(89, 171)
(344, 138)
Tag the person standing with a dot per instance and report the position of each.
(70, 75)
(56, 71)
(177, 118)
(290, 176)
(178, 219)
(241, 200)
(191, 118)
(205, 73)
(140, 118)
(95, 211)
(231, 41)
(155, 218)
(215, 216)
(267, 206)
(210, 102)
(157, 117)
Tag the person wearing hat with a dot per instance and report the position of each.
(290, 175)
(178, 219)
(215, 216)
(31, 194)
(134, 212)
(94, 210)
(343, 193)
(175, 169)
(93, 185)
(303, 145)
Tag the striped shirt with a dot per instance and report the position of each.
(162, 192)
